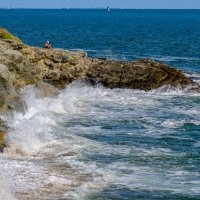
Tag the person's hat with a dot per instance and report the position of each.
(48, 42)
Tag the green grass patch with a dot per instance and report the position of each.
(4, 34)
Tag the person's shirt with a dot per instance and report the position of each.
(47, 45)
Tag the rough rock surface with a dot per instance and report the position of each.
(22, 65)
(3, 130)
(48, 69)
(144, 74)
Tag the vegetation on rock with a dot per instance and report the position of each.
(2, 145)
(4, 34)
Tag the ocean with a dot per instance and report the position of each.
(90, 142)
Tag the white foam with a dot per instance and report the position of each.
(171, 123)
(5, 191)
(173, 58)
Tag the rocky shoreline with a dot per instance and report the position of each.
(52, 69)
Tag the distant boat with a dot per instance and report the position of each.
(67, 4)
(108, 8)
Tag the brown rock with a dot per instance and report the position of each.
(143, 74)
(106, 72)
(147, 75)
(3, 129)
(21, 65)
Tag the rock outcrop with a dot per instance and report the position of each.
(22, 65)
(144, 74)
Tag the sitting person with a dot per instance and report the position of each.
(47, 45)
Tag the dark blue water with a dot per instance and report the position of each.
(95, 143)
(171, 36)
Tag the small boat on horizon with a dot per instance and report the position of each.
(108, 8)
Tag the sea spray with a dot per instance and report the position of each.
(91, 141)
(5, 189)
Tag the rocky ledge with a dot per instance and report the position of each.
(22, 65)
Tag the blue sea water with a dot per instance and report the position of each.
(170, 36)
(96, 143)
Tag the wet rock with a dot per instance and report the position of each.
(106, 72)
(3, 130)
(147, 74)
(46, 90)
(2, 144)
(7, 90)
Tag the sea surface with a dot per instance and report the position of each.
(90, 142)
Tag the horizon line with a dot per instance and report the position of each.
(101, 8)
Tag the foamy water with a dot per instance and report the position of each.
(92, 142)
(5, 189)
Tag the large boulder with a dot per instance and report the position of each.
(144, 74)
(22, 65)
(7, 90)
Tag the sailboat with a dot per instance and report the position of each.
(67, 4)
(108, 8)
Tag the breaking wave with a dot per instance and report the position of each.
(88, 140)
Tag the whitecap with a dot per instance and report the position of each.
(172, 123)
(5, 188)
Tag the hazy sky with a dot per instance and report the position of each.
(100, 3)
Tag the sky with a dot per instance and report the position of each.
(180, 4)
